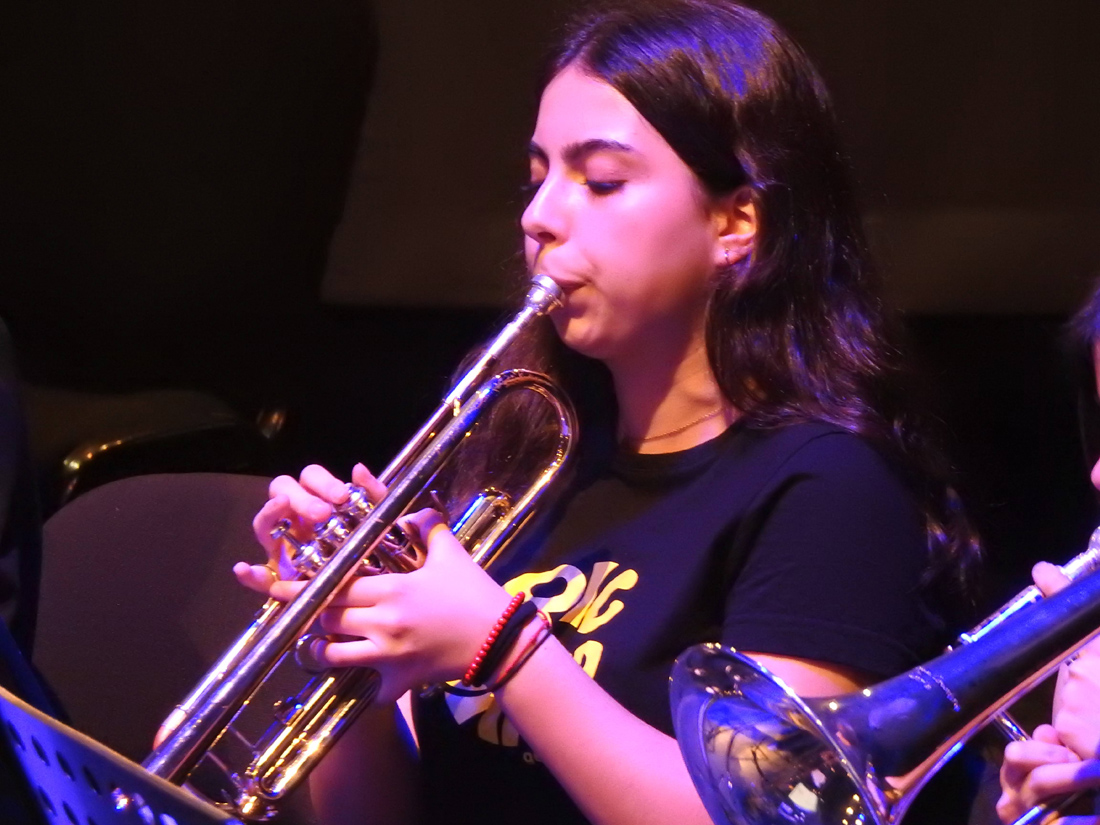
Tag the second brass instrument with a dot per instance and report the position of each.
(360, 539)
(759, 754)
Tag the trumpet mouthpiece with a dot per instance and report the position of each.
(544, 293)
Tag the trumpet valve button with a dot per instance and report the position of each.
(357, 506)
(281, 532)
(305, 653)
(333, 532)
(309, 558)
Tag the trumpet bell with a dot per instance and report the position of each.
(759, 754)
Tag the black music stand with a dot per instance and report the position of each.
(77, 781)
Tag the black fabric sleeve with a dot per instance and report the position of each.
(835, 550)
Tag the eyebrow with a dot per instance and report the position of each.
(576, 153)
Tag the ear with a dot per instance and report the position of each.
(734, 217)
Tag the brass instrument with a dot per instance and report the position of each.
(360, 539)
(760, 755)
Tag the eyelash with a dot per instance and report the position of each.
(600, 188)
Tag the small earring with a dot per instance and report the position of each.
(726, 254)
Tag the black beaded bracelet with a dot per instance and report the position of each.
(505, 639)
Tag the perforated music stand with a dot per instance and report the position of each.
(77, 781)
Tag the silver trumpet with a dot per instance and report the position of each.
(760, 755)
(360, 539)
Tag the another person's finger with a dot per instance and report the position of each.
(1049, 578)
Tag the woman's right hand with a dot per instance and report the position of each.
(304, 502)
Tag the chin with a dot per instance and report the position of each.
(572, 334)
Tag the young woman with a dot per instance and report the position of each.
(750, 471)
(1064, 757)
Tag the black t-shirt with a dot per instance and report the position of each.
(801, 541)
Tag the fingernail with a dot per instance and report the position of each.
(411, 529)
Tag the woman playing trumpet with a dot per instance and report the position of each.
(750, 472)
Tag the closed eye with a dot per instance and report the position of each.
(528, 190)
(603, 187)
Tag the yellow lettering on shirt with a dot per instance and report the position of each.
(494, 727)
(586, 603)
(594, 615)
(600, 570)
(564, 601)
(588, 656)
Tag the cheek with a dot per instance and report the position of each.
(670, 228)
(530, 250)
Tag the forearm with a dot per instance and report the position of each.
(615, 767)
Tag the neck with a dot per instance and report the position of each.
(670, 405)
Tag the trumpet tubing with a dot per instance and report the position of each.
(760, 754)
(360, 539)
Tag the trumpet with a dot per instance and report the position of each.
(359, 539)
(759, 754)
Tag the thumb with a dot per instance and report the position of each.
(428, 531)
(1046, 733)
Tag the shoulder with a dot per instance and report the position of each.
(834, 518)
(829, 492)
(820, 450)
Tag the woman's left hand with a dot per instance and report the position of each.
(413, 628)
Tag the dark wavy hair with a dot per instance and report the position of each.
(797, 331)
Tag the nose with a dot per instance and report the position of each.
(545, 218)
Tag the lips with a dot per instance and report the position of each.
(566, 282)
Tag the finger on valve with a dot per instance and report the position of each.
(376, 490)
(319, 482)
(311, 495)
(291, 516)
(277, 527)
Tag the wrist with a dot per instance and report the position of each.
(530, 638)
(500, 637)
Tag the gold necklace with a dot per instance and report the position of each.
(684, 428)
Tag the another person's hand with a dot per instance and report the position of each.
(1040, 770)
(1076, 712)
(1061, 759)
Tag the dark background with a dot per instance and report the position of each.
(312, 207)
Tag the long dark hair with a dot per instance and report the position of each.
(798, 330)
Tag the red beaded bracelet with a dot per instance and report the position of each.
(475, 665)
